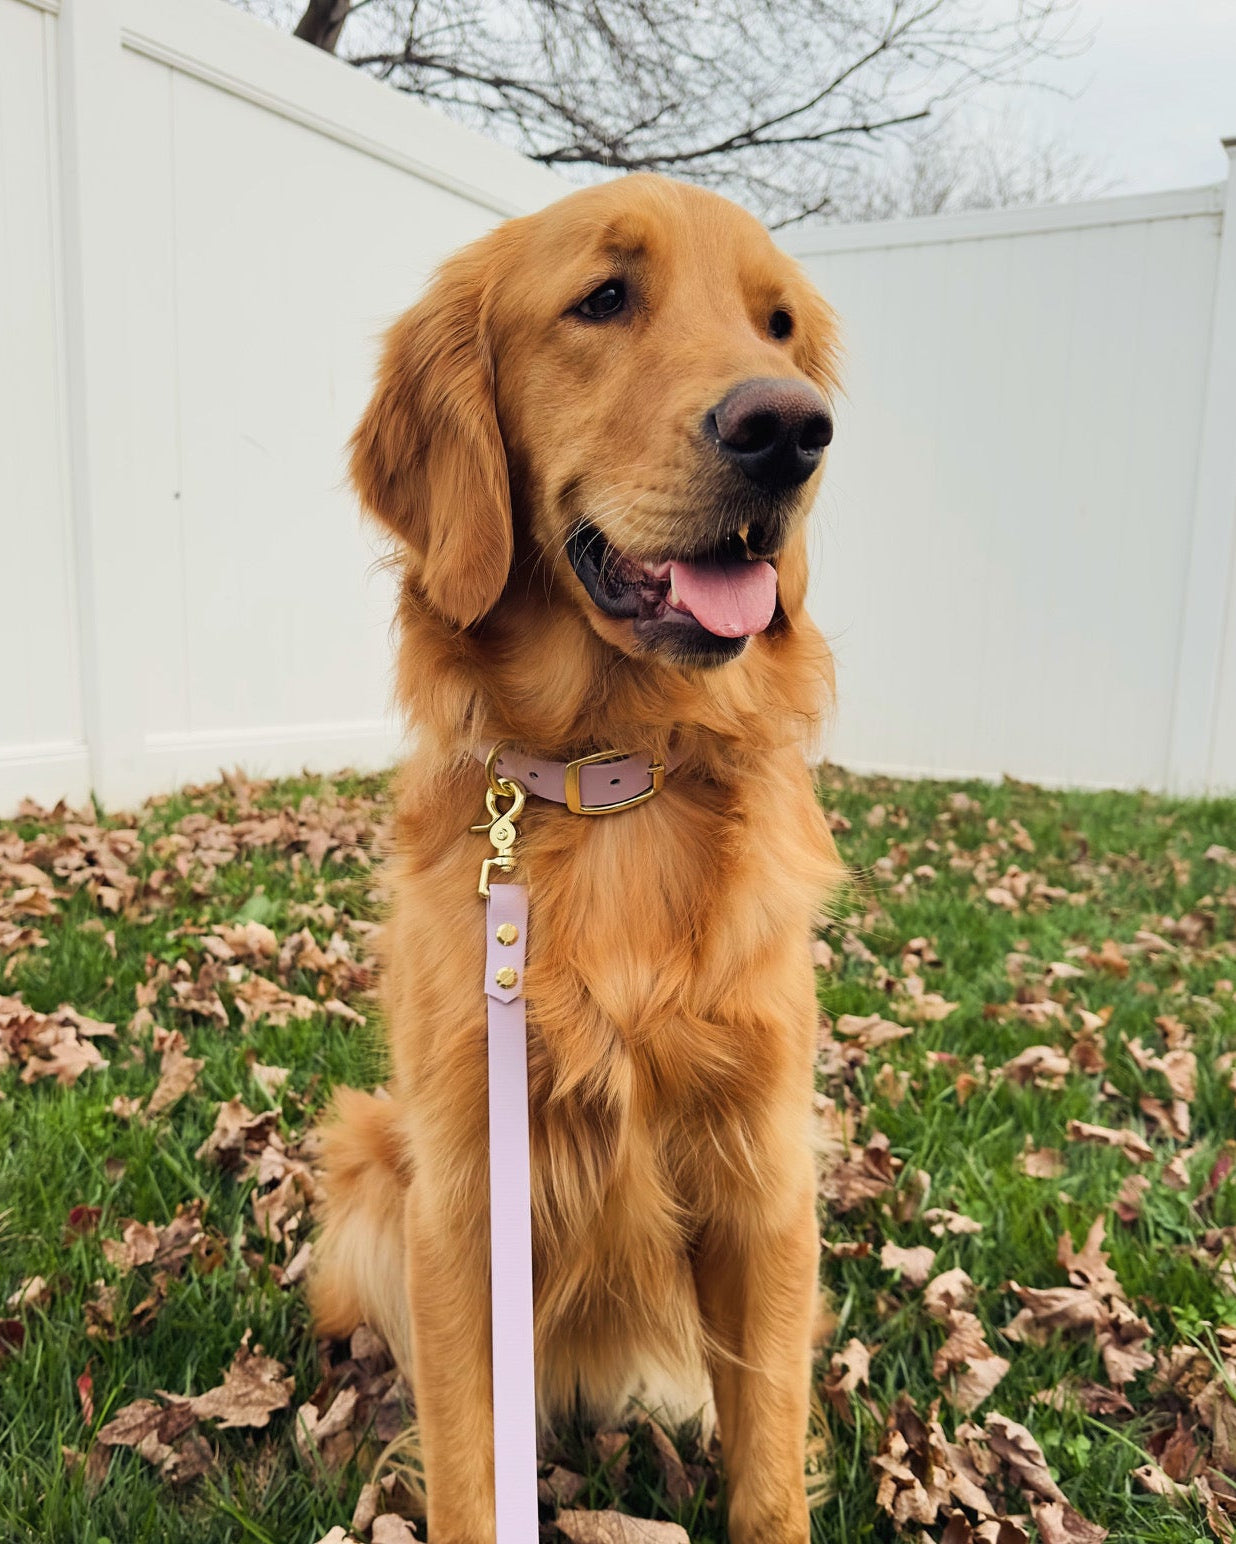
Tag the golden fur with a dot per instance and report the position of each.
(670, 991)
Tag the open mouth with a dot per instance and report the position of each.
(710, 602)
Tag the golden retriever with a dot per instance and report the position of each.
(597, 438)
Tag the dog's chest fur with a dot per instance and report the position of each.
(671, 1023)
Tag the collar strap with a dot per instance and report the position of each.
(601, 784)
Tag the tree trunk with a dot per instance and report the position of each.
(323, 22)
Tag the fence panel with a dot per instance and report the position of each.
(42, 734)
(1007, 527)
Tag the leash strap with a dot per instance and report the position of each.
(510, 1218)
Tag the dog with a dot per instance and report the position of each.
(596, 440)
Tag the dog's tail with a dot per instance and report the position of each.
(359, 1270)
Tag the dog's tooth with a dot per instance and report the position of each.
(672, 596)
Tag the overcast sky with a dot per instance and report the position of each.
(1152, 95)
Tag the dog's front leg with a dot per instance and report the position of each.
(449, 1285)
(757, 1291)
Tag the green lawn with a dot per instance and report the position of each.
(231, 926)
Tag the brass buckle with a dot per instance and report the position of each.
(576, 804)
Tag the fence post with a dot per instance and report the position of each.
(1199, 671)
(92, 106)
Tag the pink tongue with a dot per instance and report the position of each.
(732, 600)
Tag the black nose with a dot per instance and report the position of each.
(775, 431)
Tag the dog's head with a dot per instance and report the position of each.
(622, 400)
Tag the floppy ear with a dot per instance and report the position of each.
(428, 458)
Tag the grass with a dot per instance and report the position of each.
(1126, 861)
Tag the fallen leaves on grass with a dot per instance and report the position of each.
(253, 1388)
(1094, 1302)
(1042, 1162)
(617, 1528)
(161, 1434)
(238, 1136)
(941, 1220)
(1046, 1066)
(1134, 1147)
(965, 1364)
(56, 1045)
(912, 1265)
(862, 1176)
(360, 1392)
(1128, 1203)
(869, 1031)
(177, 1075)
(969, 1486)
(33, 1292)
(847, 1377)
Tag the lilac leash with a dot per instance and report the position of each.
(601, 784)
(510, 1218)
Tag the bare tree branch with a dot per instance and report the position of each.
(776, 102)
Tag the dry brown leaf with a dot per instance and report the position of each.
(951, 1289)
(1133, 1146)
(314, 1429)
(1048, 1311)
(863, 1176)
(913, 1265)
(1016, 1446)
(924, 1007)
(269, 1079)
(1217, 1411)
(177, 1075)
(1172, 1118)
(1046, 1066)
(1128, 1203)
(1217, 1518)
(920, 1473)
(966, 1364)
(822, 954)
(560, 1487)
(617, 1528)
(1094, 1300)
(869, 1031)
(674, 1477)
(1058, 1523)
(848, 1373)
(238, 1134)
(1109, 958)
(1042, 1162)
(59, 1044)
(33, 1292)
(944, 1221)
(390, 1528)
(1151, 1478)
(258, 997)
(152, 1430)
(253, 1387)
(1093, 1398)
(137, 1245)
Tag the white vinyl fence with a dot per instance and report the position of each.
(1023, 556)
(204, 228)
(1024, 551)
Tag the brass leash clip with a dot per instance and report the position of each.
(500, 827)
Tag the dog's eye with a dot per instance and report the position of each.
(781, 324)
(605, 301)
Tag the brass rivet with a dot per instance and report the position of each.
(507, 976)
(507, 933)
